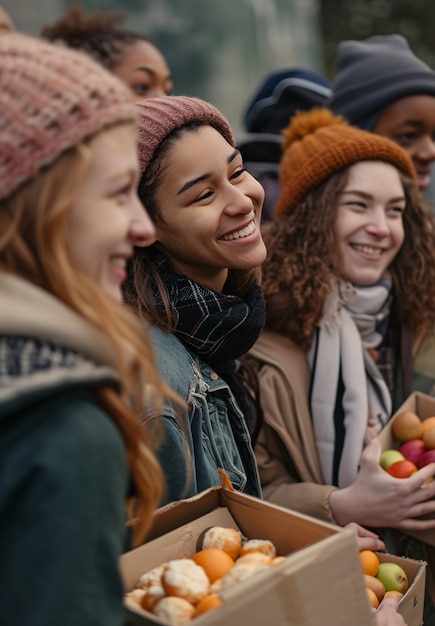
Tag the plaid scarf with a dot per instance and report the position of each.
(220, 328)
(217, 326)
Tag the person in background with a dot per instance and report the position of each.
(280, 95)
(76, 466)
(269, 110)
(128, 55)
(349, 301)
(381, 86)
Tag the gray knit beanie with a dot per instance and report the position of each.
(374, 73)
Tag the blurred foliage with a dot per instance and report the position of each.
(112, 5)
(360, 19)
(183, 33)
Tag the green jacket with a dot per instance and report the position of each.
(64, 476)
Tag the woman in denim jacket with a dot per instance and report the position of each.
(198, 287)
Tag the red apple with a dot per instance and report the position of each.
(402, 469)
(412, 449)
(426, 458)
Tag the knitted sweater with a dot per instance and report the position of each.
(64, 475)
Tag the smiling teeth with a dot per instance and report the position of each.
(368, 250)
(239, 234)
(120, 262)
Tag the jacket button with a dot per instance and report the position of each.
(214, 376)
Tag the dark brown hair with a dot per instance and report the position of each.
(96, 34)
(303, 256)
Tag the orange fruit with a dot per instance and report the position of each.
(373, 598)
(369, 562)
(394, 594)
(375, 585)
(406, 426)
(215, 562)
(427, 424)
(429, 438)
(212, 601)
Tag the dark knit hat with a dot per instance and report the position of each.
(318, 144)
(374, 73)
(158, 117)
(51, 99)
(280, 95)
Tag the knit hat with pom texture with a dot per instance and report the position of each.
(318, 144)
(51, 98)
(158, 117)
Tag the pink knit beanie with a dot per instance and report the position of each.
(158, 117)
(51, 98)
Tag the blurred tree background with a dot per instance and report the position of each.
(221, 50)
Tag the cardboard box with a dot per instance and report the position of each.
(424, 406)
(319, 582)
(412, 604)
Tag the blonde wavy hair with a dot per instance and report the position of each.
(34, 246)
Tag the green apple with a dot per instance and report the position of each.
(388, 457)
(393, 577)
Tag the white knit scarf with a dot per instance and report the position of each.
(350, 325)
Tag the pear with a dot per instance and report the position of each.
(393, 577)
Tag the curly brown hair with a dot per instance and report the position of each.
(303, 256)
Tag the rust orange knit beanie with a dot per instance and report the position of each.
(158, 117)
(318, 144)
(51, 98)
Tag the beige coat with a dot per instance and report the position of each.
(287, 457)
(286, 453)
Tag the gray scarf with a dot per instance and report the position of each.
(349, 398)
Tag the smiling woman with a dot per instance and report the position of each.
(369, 228)
(198, 286)
(107, 211)
(74, 459)
(350, 313)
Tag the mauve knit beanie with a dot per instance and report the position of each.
(158, 117)
(318, 144)
(374, 73)
(51, 98)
